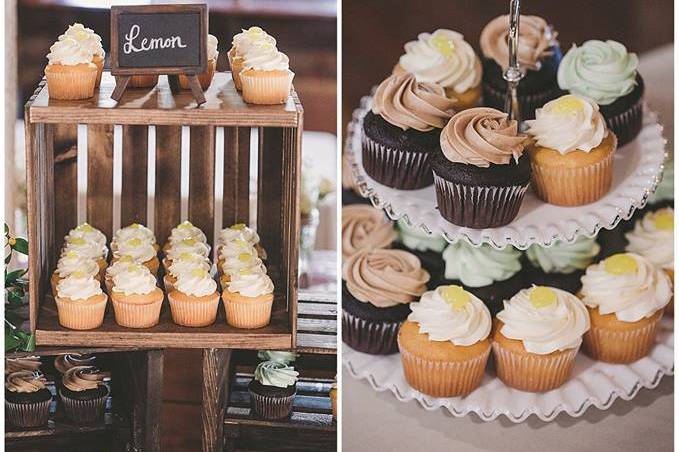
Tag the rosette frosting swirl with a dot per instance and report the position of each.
(264, 56)
(134, 231)
(186, 230)
(188, 262)
(544, 324)
(464, 324)
(444, 58)
(84, 247)
(83, 378)
(569, 123)
(25, 381)
(137, 249)
(188, 245)
(212, 43)
(247, 38)
(198, 283)
(239, 231)
(250, 284)
(384, 278)
(78, 286)
(535, 39)
(480, 136)
(601, 71)
(69, 52)
(64, 362)
(71, 262)
(364, 227)
(244, 263)
(564, 257)
(234, 248)
(88, 233)
(480, 266)
(416, 239)
(408, 104)
(278, 356)
(632, 291)
(273, 373)
(653, 238)
(135, 279)
(31, 363)
(86, 37)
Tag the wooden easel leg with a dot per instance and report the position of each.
(121, 85)
(196, 90)
(173, 79)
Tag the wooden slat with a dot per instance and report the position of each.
(201, 179)
(216, 363)
(297, 419)
(317, 309)
(100, 177)
(292, 161)
(148, 399)
(236, 205)
(50, 190)
(133, 197)
(66, 196)
(168, 183)
(321, 326)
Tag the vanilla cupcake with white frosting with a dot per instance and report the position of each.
(184, 263)
(71, 262)
(71, 72)
(194, 299)
(205, 78)
(266, 77)
(142, 252)
(242, 43)
(625, 295)
(537, 336)
(445, 344)
(184, 230)
(90, 41)
(135, 297)
(133, 231)
(445, 59)
(248, 299)
(572, 151)
(84, 247)
(80, 302)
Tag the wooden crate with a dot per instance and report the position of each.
(317, 322)
(115, 155)
(132, 419)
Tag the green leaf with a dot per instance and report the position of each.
(11, 341)
(11, 277)
(15, 298)
(8, 258)
(6, 229)
(21, 246)
(29, 346)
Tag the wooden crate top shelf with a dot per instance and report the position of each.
(158, 106)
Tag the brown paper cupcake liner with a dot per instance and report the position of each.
(532, 372)
(249, 315)
(271, 408)
(76, 85)
(528, 103)
(236, 65)
(573, 186)
(478, 207)
(627, 125)
(372, 337)
(204, 78)
(81, 316)
(620, 347)
(99, 62)
(143, 81)
(443, 379)
(401, 169)
(191, 313)
(266, 90)
(132, 315)
(27, 415)
(84, 411)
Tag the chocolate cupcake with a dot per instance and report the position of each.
(606, 73)
(272, 390)
(378, 286)
(479, 172)
(365, 227)
(402, 131)
(427, 248)
(561, 265)
(538, 56)
(83, 394)
(27, 399)
(490, 274)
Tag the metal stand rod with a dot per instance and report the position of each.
(513, 74)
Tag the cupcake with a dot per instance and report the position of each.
(71, 73)
(188, 245)
(140, 251)
(364, 227)
(377, 289)
(445, 59)
(64, 362)
(333, 397)
(83, 394)
(536, 338)
(272, 390)
(560, 265)
(625, 296)
(135, 297)
(184, 263)
(266, 76)
(444, 344)
(242, 43)
(248, 298)
(91, 41)
(401, 132)
(30, 363)
(606, 73)
(80, 302)
(205, 78)
(479, 172)
(427, 247)
(538, 55)
(70, 262)
(27, 399)
(234, 250)
(119, 266)
(88, 233)
(83, 247)
(194, 300)
(571, 154)
(241, 231)
(243, 264)
(134, 231)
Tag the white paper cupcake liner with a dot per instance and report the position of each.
(401, 169)
(620, 347)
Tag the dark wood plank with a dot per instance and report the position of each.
(66, 197)
(147, 377)
(100, 177)
(168, 180)
(216, 372)
(180, 383)
(235, 204)
(201, 179)
(181, 426)
(135, 163)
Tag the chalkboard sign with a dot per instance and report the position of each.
(159, 39)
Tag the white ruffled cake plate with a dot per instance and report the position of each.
(593, 383)
(637, 169)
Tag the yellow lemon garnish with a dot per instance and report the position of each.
(254, 30)
(85, 227)
(242, 243)
(620, 264)
(244, 257)
(133, 268)
(77, 241)
(198, 273)
(568, 104)
(444, 45)
(244, 271)
(664, 221)
(455, 296)
(238, 227)
(79, 274)
(125, 258)
(185, 225)
(71, 254)
(541, 297)
(136, 241)
(190, 241)
(185, 256)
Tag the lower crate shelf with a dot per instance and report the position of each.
(317, 322)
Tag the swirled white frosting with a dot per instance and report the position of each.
(72, 262)
(444, 58)
(188, 245)
(244, 40)
(564, 257)
(69, 52)
(137, 249)
(135, 279)
(198, 283)
(86, 37)
(273, 373)
(653, 238)
(546, 329)
(569, 123)
(89, 233)
(187, 263)
(236, 247)
(238, 231)
(83, 247)
(212, 44)
(482, 266)
(118, 266)
(463, 326)
(264, 56)
(630, 296)
(243, 263)
(134, 231)
(186, 230)
(78, 286)
(251, 285)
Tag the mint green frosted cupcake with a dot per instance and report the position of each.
(427, 247)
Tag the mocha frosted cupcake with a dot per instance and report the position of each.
(536, 338)
(479, 172)
(27, 399)
(273, 390)
(401, 133)
(572, 153)
(538, 56)
(364, 227)
(606, 73)
(378, 286)
(83, 394)
(625, 296)
(445, 59)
